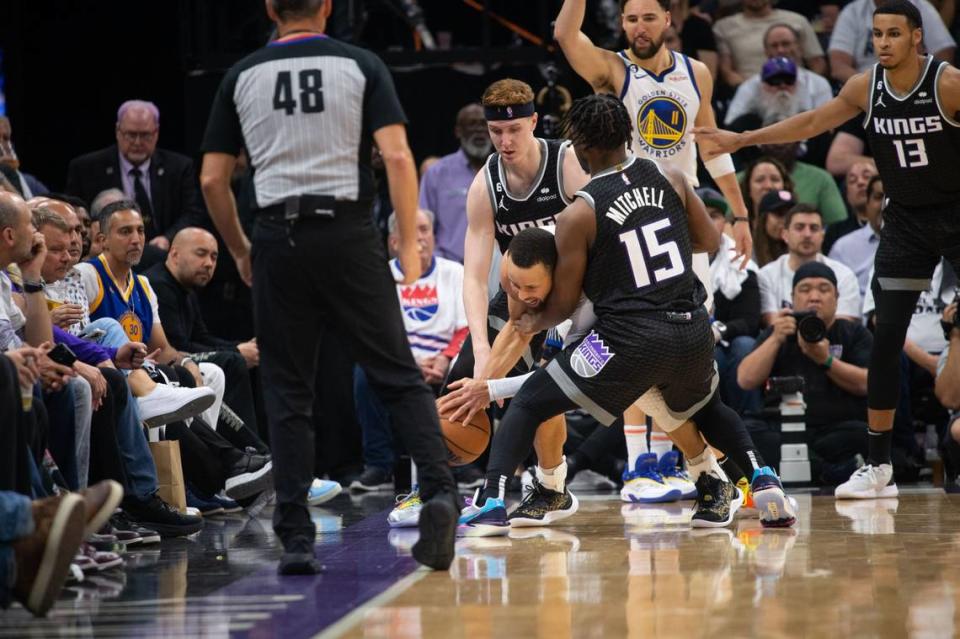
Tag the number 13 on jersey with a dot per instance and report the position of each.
(638, 264)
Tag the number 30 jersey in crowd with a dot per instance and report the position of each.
(915, 144)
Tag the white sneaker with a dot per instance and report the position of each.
(167, 404)
(869, 482)
(406, 514)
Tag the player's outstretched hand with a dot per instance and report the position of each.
(467, 398)
(713, 142)
(743, 241)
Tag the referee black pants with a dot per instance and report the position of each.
(332, 275)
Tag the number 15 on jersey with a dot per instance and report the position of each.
(638, 264)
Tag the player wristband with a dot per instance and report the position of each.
(827, 365)
(740, 218)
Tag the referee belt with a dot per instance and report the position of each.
(298, 207)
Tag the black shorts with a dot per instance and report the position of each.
(609, 368)
(912, 241)
(498, 314)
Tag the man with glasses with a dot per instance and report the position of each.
(163, 183)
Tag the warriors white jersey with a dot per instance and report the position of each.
(663, 109)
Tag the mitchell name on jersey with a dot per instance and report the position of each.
(630, 201)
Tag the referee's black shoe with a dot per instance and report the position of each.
(438, 529)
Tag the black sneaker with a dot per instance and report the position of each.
(372, 480)
(250, 475)
(717, 502)
(162, 517)
(543, 507)
(121, 522)
(438, 530)
(298, 558)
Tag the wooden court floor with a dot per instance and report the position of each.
(885, 568)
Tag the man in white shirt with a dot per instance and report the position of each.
(851, 44)
(803, 234)
(807, 90)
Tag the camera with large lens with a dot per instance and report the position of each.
(810, 327)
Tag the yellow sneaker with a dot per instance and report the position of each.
(748, 509)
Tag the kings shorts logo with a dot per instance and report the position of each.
(590, 356)
(661, 124)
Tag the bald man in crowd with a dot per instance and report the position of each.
(163, 183)
(190, 265)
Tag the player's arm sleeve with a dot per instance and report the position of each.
(381, 106)
(849, 304)
(224, 134)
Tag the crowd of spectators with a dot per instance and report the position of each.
(107, 343)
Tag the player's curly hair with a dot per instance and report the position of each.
(598, 122)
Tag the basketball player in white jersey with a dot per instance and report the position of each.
(666, 94)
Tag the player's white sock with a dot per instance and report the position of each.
(636, 437)
(554, 479)
(705, 462)
(660, 443)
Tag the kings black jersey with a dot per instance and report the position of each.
(539, 206)
(915, 144)
(641, 257)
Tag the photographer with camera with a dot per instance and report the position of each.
(831, 355)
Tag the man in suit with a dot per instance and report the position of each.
(162, 182)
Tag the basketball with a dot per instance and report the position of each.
(465, 442)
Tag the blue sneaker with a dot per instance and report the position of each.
(322, 491)
(489, 520)
(675, 476)
(206, 505)
(645, 485)
(776, 509)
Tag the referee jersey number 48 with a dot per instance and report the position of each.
(305, 110)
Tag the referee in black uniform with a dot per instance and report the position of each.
(306, 107)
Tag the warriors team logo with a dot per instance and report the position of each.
(590, 356)
(661, 122)
(420, 303)
(132, 326)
